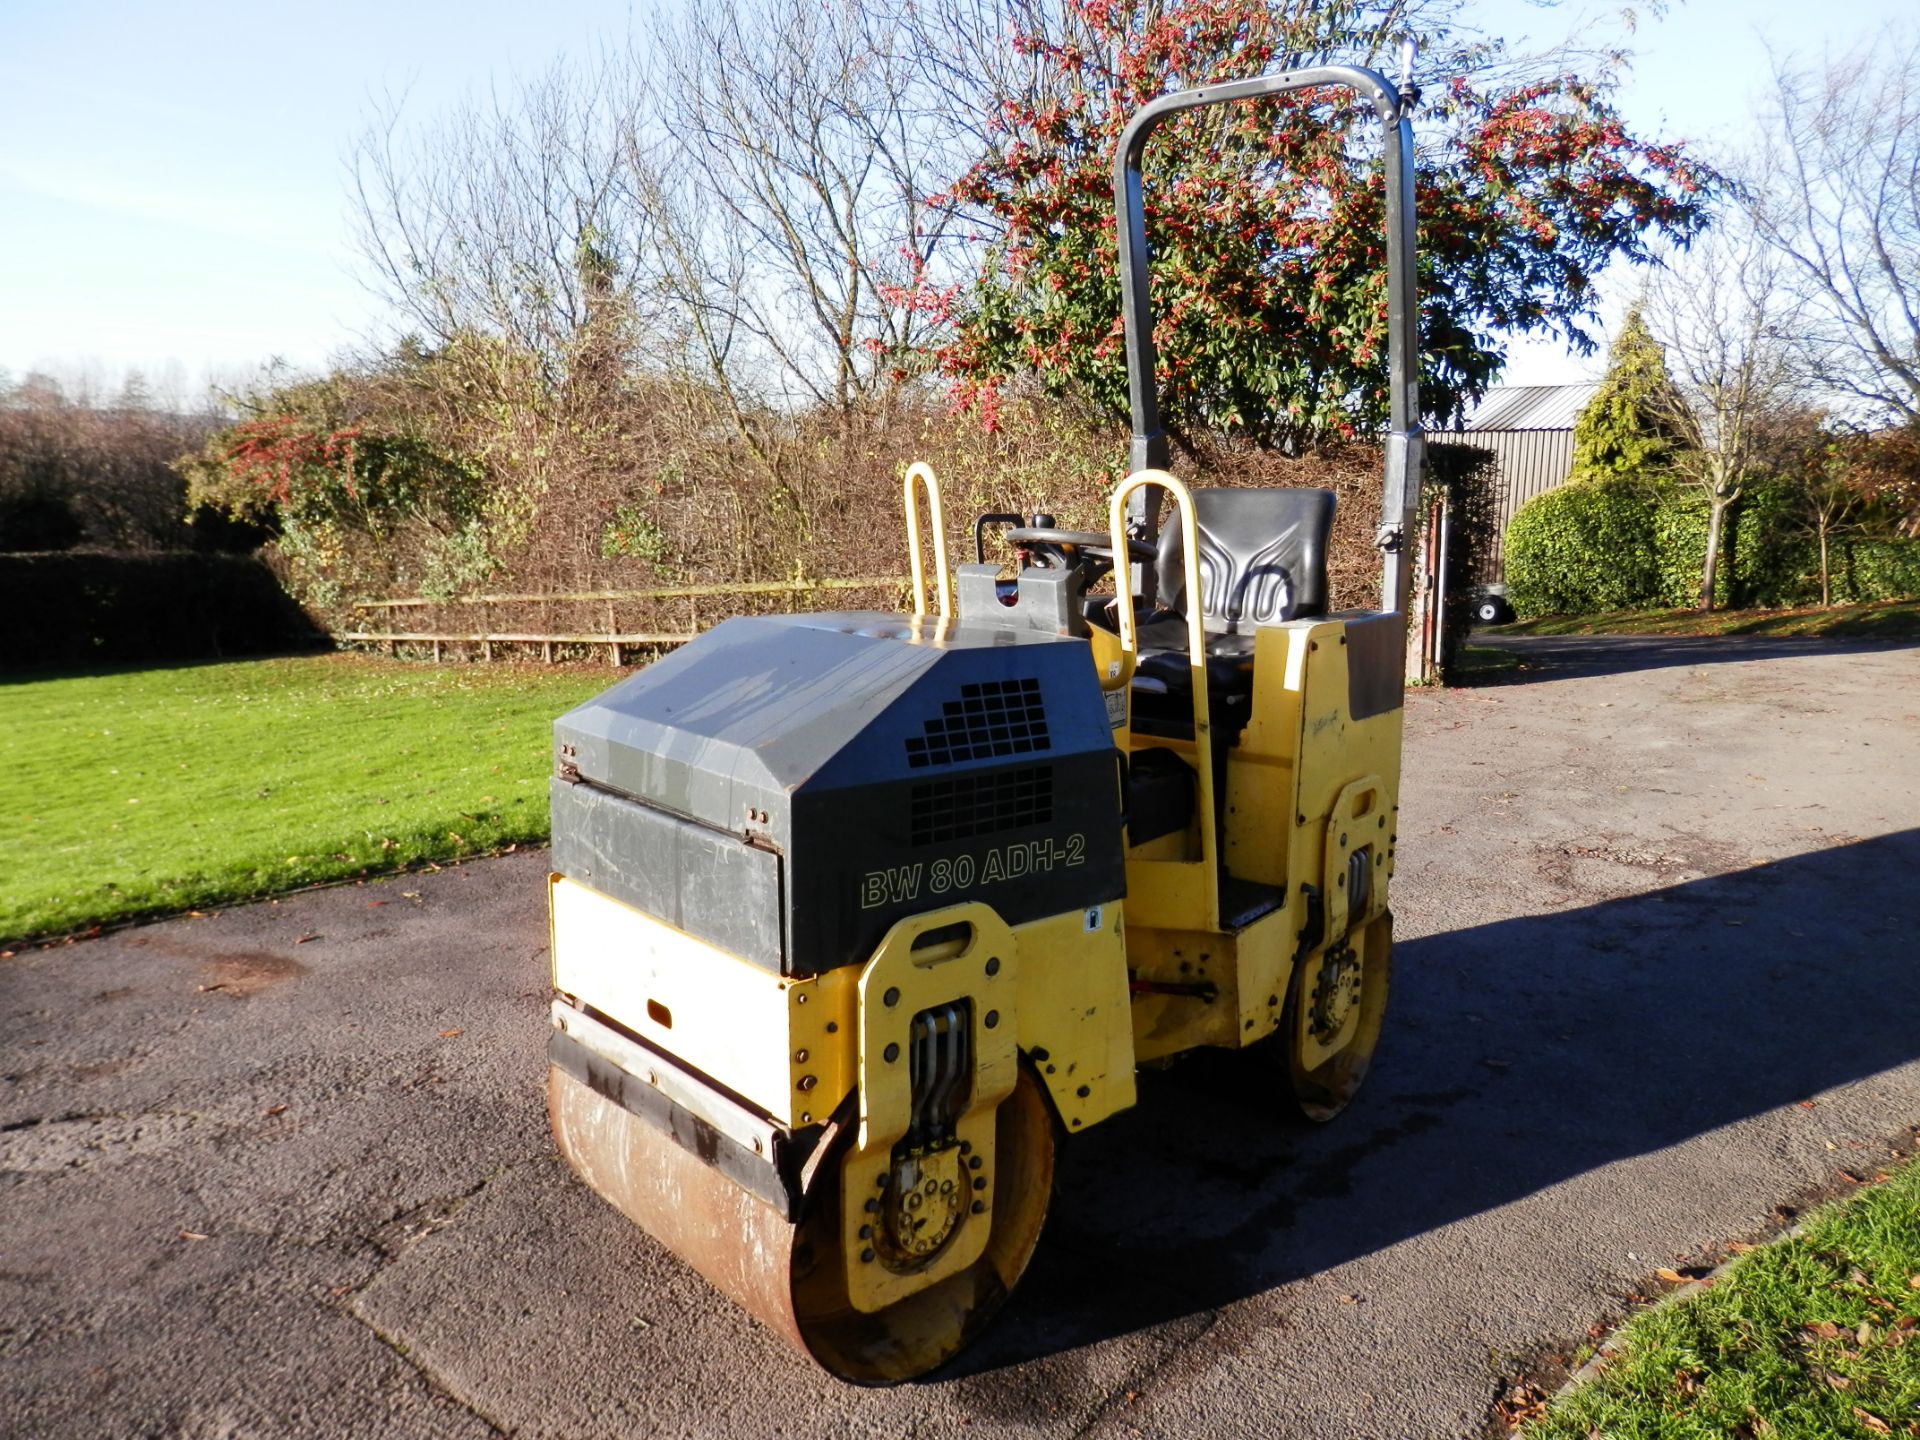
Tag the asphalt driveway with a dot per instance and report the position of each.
(284, 1170)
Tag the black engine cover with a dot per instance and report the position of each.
(788, 787)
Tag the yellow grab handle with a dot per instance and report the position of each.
(1196, 626)
(922, 473)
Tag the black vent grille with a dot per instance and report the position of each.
(991, 717)
(969, 805)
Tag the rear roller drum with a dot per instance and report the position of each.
(791, 1276)
(1335, 1005)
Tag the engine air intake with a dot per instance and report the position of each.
(991, 717)
(969, 805)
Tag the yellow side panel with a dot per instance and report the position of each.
(1169, 894)
(785, 1045)
(1074, 1014)
(1335, 752)
(1168, 1024)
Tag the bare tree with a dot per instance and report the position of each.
(510, 219)
(1835, 191)
(798, 145)
(1726, 323)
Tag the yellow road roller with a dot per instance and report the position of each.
(856, 917)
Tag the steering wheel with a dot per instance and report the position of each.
(1065, 549)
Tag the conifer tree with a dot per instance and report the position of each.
(1626, 429)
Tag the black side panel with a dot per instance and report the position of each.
(1376, 665)
(1031, 839)
(1160, 790)
(708, 884)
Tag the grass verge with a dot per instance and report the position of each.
(138, 792)
(1882, 620)
(1815, 1337)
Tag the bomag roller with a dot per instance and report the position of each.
(857, 916)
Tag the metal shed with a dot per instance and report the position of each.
(1530, 429)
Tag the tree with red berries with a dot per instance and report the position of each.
(1265, 220)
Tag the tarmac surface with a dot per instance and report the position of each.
(284, 1171)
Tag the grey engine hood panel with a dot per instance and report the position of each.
(739, 720)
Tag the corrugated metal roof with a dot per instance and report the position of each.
(1530, 407)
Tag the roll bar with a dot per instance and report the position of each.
(1400, 495)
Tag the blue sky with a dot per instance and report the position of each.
(172, 190)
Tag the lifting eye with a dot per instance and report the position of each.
(942, 943)
(659, 1014)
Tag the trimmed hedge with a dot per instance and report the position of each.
(1581, 548)
(79, 608)
(1613, 545)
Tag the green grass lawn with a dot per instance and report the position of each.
(137, 792)
(1813, 1338)
(1885, 619)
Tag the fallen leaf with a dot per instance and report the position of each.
(409, 894)
(1806, 1104)
(1740, 1247)
(1825, 1329)
(376, 904)
(451, 1034)
(276, 1109)
(1352, 1300)
(337, 1291)
(640, 1324)
(1839, 1382)
(1864, 1333)
(1872, 1422)
(1672, 1277)
(1906, 1322)
(305, 938)
(191, 1235)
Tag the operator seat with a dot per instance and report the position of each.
(1263, 559)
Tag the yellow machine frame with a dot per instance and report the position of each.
(1306, 787)
(876, 1237)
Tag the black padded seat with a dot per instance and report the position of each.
(1263, 559)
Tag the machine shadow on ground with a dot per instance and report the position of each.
(1517, 1055)
(1559, 657)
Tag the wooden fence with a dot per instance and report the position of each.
(485, 636)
